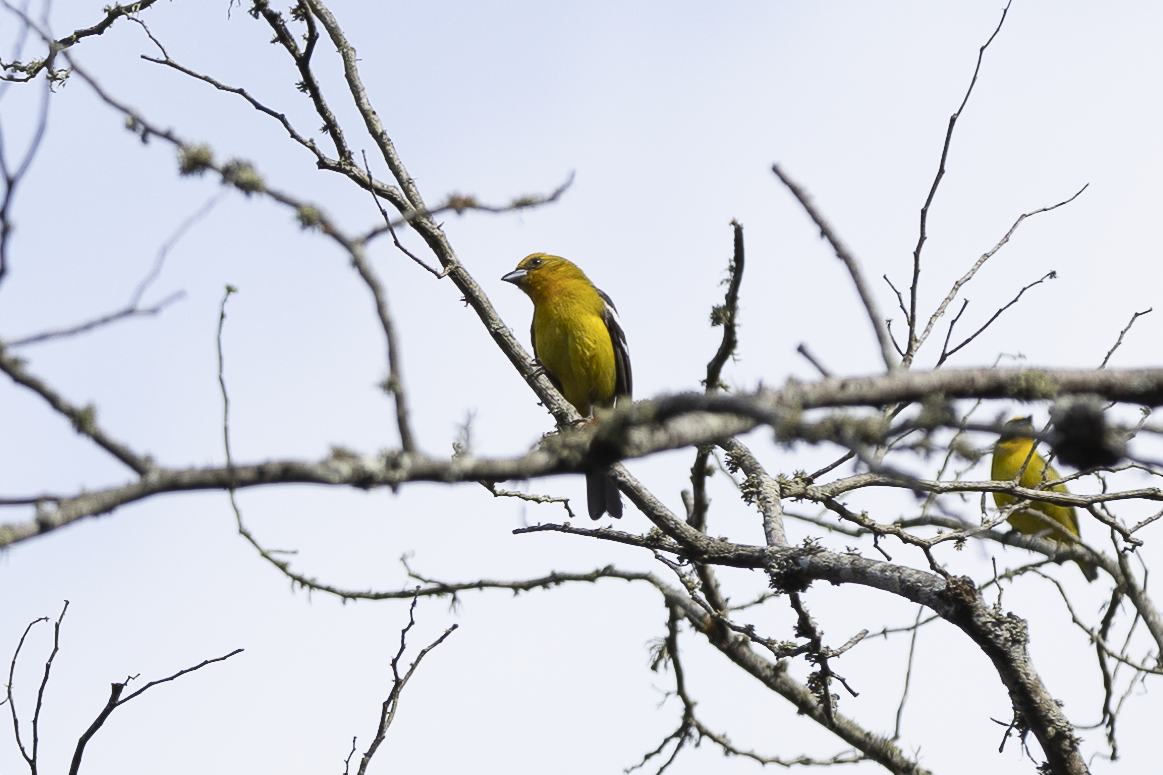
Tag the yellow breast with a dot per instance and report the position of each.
(1008, 458)
(573, 344)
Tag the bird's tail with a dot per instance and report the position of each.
(602, 495)
(1088, 570)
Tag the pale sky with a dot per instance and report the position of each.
(669, 115)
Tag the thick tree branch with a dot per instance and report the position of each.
(759, 488)
(637, 430)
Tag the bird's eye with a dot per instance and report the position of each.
(534, 263)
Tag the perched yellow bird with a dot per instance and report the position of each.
(1014, 452)
(579, 340)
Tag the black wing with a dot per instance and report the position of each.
(624, 379)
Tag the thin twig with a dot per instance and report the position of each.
(945, 355)
(56, 647)
(394, 384)
(969, 275)
(13, 177)
(1123, 333)
(308, 83)
(133, 308)
(115, 701)
(1096, 636)
(83, 419)
(528, 496)
(669, 654)
(900, 708)
(100, 322)
(462, 203)
(866, 297)
(309, 144)
(803, 350)
(33, 68)
(913, 342)
(391, 229)
(29, 759)
(392, 703)
(725, 315)
(179, 674)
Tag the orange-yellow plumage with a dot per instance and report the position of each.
(578, 339)
(1014, 453)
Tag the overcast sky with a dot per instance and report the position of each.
(669, 117)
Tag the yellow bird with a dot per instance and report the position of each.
(579, 341)
(1014, 453)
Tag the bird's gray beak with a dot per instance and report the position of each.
(516, 276)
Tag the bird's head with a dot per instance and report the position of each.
(537, 273)
(1018, 427)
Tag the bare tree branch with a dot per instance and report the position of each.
(965, 278)
(703, 420)
(726, 316)
(115, 701)
(866, 297)
(1123, 333)
(392, 703)
(759, 488)
(31, 758)
(636, 430)
(34, 68)
(133, 308)
(83, 419)
(946, 352)
(911, 316)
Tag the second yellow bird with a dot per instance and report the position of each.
(579, 340)
(1014, 453)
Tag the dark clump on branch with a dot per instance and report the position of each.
(1081, 437)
